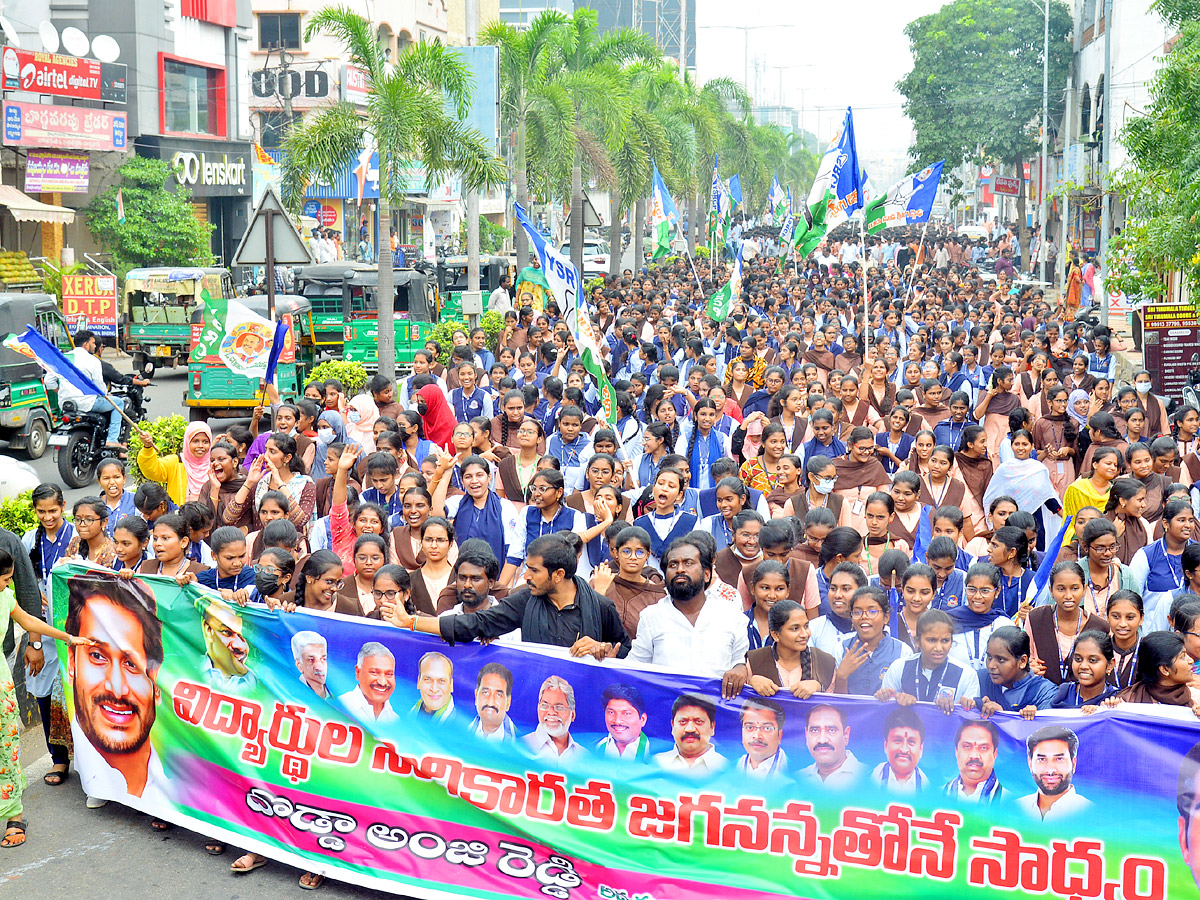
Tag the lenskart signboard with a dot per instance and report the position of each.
(208, 168)
(63, 76)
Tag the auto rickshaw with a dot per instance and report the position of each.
(452, 281)
(27, 413)
(324, 286)
(214, 390)
(157, 309)
(413, 314)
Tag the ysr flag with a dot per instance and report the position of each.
(663, 216)
(720, 304)
(836, 191)
(776, 200)
(907, 202)
(564, 283)
(238, 336)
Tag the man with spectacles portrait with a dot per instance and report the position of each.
(556, 712)
(762, 734)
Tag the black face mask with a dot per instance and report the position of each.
(266, 582)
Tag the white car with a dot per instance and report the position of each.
(595, 258)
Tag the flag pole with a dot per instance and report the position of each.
(920, 248)
(866, 336)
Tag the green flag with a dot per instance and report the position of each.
(720, 304)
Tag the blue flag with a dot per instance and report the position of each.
(907, 202)
(277, 345)
(735, 189)
(53, 360)
(1038, 589)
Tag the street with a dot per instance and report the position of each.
(164, 397)
(70, 848)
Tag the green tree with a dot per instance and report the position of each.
(491, 237)
(160, 228)
(524, 61)
(975, 89)
(1162, 179)
(406, 119)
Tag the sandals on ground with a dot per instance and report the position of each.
(16, 828)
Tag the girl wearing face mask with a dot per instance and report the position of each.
(360, 422)
(1152, 405)
(331, 429)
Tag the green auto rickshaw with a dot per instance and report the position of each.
(27, 413)
(413, 316)
(213, 390)
(157, 311)
(452, 281)
(324, 286)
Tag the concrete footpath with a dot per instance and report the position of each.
(72, 851)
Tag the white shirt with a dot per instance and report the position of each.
(775, 767)
(917, 781)
(356, 704)
(514, 526)
(967, 686)
(499, 301)
(89, 364)
(101, 780)
(710, 648)
(1068, 804)
(845, 775)
(543, 747)
(709, 761)
(823, 635)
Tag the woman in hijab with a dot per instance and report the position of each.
(437, 419)
(1078, 408)
(360, 422)
(331, 429)
(184, 474)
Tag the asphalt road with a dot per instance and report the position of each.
(165, 394)
(72, 851)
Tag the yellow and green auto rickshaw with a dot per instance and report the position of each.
(27, 413)
(413, 315)
(452, 281)
(215, 391)
(324, 285)
(157, 311)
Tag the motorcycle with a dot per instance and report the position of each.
(80, 437)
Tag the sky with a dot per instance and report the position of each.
(843, 53)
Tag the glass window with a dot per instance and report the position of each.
(276, 30)
(189, 91)
(272, 127)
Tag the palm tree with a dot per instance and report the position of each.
(407, 121)
(591, 72)
(524, 59)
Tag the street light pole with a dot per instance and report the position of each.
(745, 30)
(1106, 150)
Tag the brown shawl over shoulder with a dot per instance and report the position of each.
(762, 662)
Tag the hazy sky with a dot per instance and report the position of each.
(843, 53)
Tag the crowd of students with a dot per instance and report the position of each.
(790, 499)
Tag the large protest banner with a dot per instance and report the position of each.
(361, 751)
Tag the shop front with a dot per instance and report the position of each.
(218, 175)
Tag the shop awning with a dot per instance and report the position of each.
(25, 209)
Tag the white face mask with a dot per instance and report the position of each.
(824, 485)
(1142, 387)
(325, 434)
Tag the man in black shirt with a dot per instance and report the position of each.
(555, 607)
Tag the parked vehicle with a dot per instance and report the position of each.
(27, 413)
(214, 390)
(452, 281)
(413, 315)
(80, 438)
(324, 286)
(158, 309)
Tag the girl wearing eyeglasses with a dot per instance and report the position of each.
(978, 617)
(91, 541)
(870, 650)
(635, 585)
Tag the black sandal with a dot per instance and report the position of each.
(56, 777)
(13, 825)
